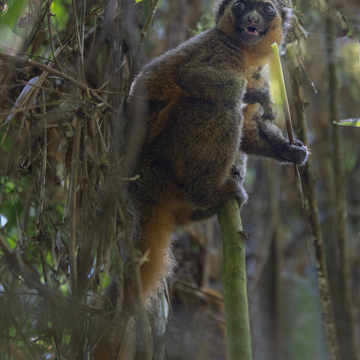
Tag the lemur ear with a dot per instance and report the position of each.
(286, 15)
(219, 8)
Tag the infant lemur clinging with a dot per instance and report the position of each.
(193, 115)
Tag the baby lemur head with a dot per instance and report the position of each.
(253, 24)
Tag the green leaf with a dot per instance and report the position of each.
(13, 13)
(7, 144)
(348, 122)
(61, 11)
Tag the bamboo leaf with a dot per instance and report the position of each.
(280, 77)
(348, 122)
(13, 13)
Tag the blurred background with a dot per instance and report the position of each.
(60, 221)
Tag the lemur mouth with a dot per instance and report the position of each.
(251, 34)
(251, 30)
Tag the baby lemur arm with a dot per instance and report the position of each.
(260, 136)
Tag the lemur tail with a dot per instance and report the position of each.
(154, 238)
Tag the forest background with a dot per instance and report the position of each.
(57, 140)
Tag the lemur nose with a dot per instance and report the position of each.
(253, 19)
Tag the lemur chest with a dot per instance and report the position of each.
(257, 79)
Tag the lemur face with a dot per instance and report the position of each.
(253, 18)
(249, 21)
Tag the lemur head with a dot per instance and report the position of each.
(253, 22)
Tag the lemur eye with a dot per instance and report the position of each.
(268, 9)
(239, 6)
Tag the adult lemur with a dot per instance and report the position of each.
(195, 111)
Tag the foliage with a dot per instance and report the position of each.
(349, 122)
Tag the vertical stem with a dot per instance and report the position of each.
(279, 292)
(40, 216)
(286, 109)
(74, 343)
(352, 350)
(43, 177)
(134, 139)
(80, 40)
(73, 221)
(84, 258)
(234, 281)
(322, 276)
(50, 35)
(142, 37)
(42, 200)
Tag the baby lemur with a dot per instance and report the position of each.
(192, 116)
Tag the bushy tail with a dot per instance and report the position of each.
(154, 238)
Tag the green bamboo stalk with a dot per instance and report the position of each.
(234, 281)
(277, 68)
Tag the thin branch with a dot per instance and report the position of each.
(142, 37)
(50, 34)
(14, 58)
(73, 201)
(43, 177)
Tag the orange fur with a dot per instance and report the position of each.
(257, 54)
(250, 128)
(156, 239)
